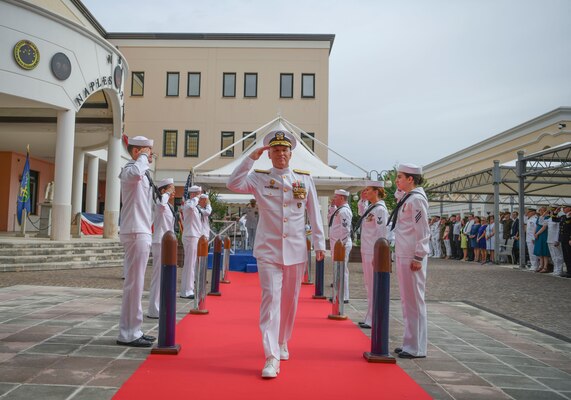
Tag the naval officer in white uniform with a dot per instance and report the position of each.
(162, 223)
(135, 235)
(284, 196)
(192, 231)
(412, 234)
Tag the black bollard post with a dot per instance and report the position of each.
(381, 303)
(216, 266)
(167, 312)
(337, 312)
(319, 271)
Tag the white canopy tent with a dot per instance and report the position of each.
(326, 179)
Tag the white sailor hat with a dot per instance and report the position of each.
(375, 184)
(194, 189)
(342, 192)
(410, 169)
(280, 137)
(140, 141)
(203, 196)
(165, 182)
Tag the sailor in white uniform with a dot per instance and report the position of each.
(340, 227)
(530, 227)
(135, 235)
(192, 231)
(284, 196)
(162, 223)
(205, 210)
(373, 224)
(412, 234)
(252, 217)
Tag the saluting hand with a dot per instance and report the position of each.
(256, 154)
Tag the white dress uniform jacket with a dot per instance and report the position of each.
(135, 235)
(163, 222)
(283, 197)
(282, 216)
(411, 242)
(373, 227)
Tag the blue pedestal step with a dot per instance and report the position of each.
(242, 261)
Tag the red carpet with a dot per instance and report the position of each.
(222, 356)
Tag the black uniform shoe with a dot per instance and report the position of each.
(364, 325)
(148, 316)
(136, 343)
(404, 354)
(398, 350)
(346, 301)
(149, 338)
(191, 297)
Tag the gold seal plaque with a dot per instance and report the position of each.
(26, 54)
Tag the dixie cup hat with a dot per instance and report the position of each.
(140, 141)
(342, 192)
(165, 182)
(411, 169)
(194, 189)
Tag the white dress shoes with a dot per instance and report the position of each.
(271, 368)
(284, 353)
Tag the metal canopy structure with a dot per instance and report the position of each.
(542, 177)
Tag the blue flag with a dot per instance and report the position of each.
(24, 194)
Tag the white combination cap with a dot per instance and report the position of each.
(375, 183)
(165, 182)
(194, 189)
(410, 169)
(342, 192)
(280, 137)
(140, 141)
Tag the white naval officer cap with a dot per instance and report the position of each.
(165, 182)
(140, 141)
(194, 189)
(412, 169)
(342, 192)
(280, 137)
(375, 184)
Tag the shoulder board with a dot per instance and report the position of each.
(262, 171)
(301, 172)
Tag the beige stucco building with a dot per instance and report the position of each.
(195, 94)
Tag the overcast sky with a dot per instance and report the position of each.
(410, 80)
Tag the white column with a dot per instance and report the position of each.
(61, 218)
(77, 191)
(112, 189)
(92, 184)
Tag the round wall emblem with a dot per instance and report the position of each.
(118, 76)
(61, 66)
(26, 54)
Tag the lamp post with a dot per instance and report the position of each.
(378, 175)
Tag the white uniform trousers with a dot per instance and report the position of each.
(412, 285)
(155, 290)
(448, 247)
(557, 257)
(346, 274)
(368, 278)
(532, 257)
(137, 247)
(190, 244)
(280, 292)
(251, 235)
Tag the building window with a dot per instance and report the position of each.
(137, 83)
(286, 85)
(308, 85)
(172, 83)
(227, 140)
(191, 143)
(229, 85)
(307, 138)
(251, 85)
(193, 84)
(169, 143)
(246, 143)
